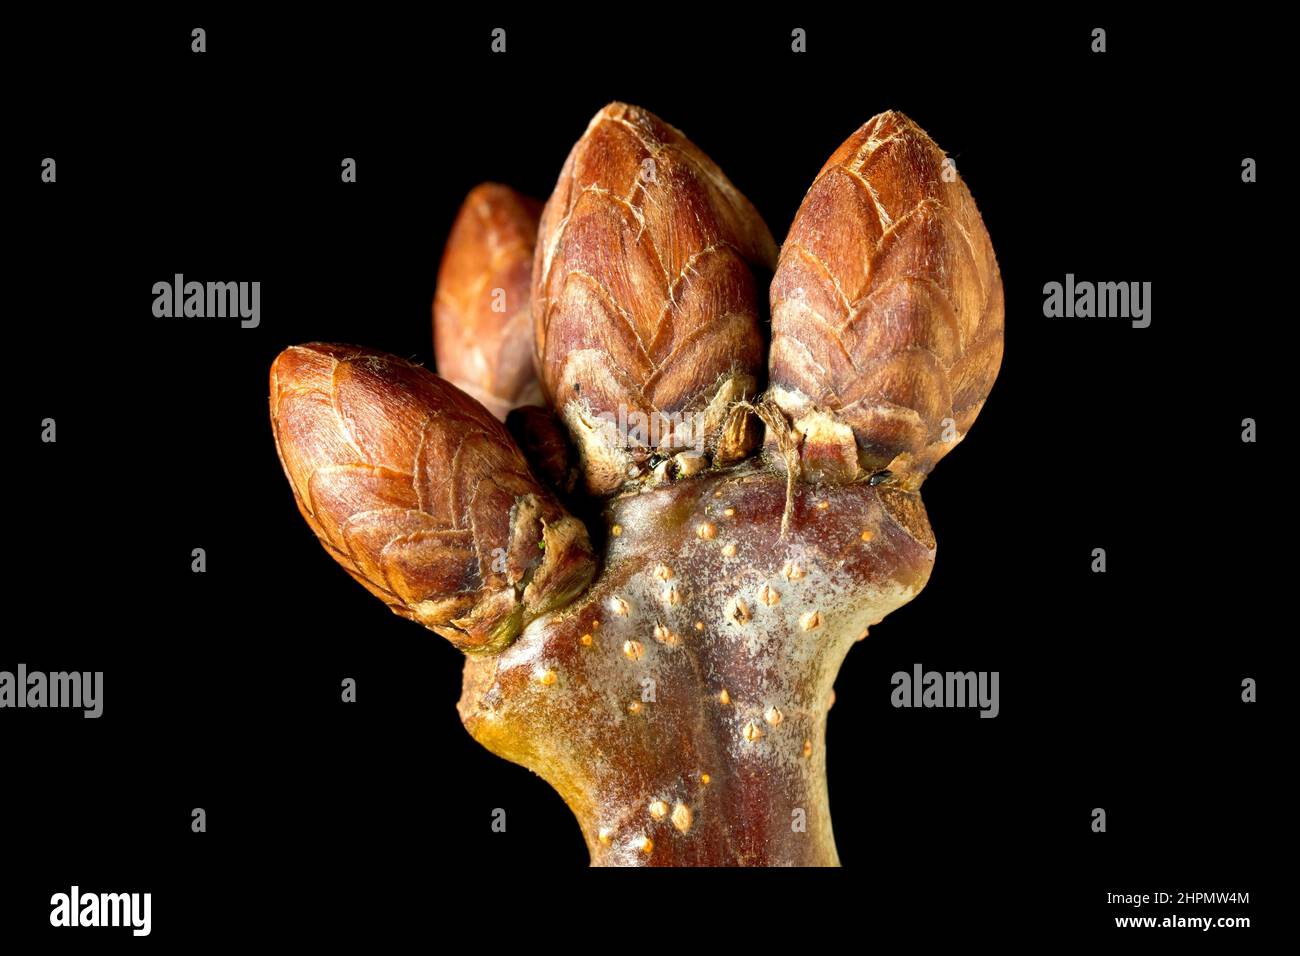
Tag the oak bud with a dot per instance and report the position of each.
(645, 303)
(482, 325)
(421, 495)
(887, 308)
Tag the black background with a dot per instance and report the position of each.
(222, 690)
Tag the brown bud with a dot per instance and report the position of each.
(644, 297)
(422, 495)
(886, 308)
(482, 325)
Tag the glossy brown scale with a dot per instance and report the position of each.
(655, 625)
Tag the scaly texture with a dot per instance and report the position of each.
(422, 495)
(677, 700)
(482, 323)
(644, 295)
(886, 306)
